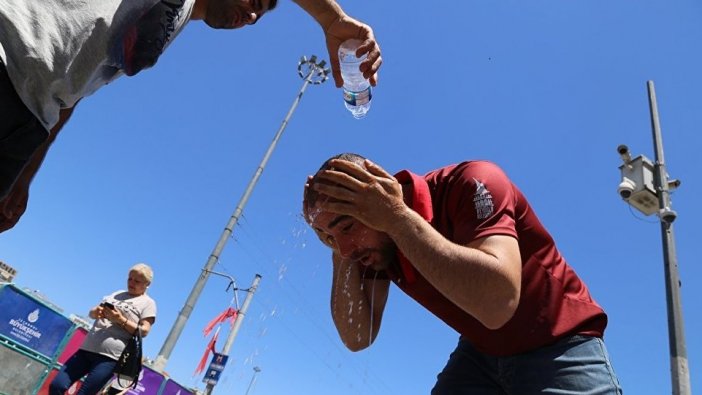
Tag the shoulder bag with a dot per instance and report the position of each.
(129, 363)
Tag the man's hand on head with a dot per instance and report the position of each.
(367, 193)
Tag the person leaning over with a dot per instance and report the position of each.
(116, 318)
(464, 242)
(53, 53)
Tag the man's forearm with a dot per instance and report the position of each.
(13, 206)
(483, 279)
(38, 157)
(356, 305)
(325, 12)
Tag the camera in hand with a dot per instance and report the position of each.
(108, 305)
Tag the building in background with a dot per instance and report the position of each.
(7, 272)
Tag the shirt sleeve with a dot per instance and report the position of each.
(482, 202)
(149, 310)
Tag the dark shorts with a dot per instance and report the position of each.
(21, 134)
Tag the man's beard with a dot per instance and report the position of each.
(388, 256)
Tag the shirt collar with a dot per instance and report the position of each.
(420, 196)
(420, 202)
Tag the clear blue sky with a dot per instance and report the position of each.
(151, 168)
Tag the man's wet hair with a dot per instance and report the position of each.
(311, 196)
(347, 156)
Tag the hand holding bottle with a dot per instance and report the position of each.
(345, 28)
(357, 89)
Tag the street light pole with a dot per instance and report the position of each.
(678, 354)
(253, 379)
(313, 73)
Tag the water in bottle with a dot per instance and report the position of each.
(357, 90)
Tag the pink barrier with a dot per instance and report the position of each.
(73, 344)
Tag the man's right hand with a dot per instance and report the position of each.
(339, 27)
(345, 28)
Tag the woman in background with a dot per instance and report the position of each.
(116, 318)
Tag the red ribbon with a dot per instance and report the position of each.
(229, 313)
(210, 348)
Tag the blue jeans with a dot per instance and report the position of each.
(98, 369)
(575, 365)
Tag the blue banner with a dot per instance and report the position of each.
(29, 323)
(215, 369)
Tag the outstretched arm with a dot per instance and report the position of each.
(13, 206)
(357, 304)
(339, 27)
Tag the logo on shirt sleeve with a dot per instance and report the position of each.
(482, 199)
(146, 39)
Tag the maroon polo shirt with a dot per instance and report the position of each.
(475, 199)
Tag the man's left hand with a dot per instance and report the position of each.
(368, 194)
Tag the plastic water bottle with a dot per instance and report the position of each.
(357, 90)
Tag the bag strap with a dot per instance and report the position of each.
(136, 336)
(138, 330)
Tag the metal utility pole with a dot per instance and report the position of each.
(253, 378)
(237, 324)
(676, 332)
(313, 73)
(644, 184)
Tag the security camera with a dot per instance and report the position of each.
(624, 153)
(626, 188)
(667, 215)
(673, 184)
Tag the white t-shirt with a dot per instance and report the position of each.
(110, 339)
(59, 51)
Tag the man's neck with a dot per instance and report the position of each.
(199, 10)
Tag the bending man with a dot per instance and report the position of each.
(463, 242)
